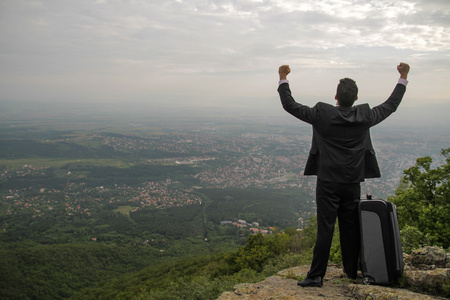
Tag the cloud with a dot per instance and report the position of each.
(115, 49)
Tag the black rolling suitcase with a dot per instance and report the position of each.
(381, 247)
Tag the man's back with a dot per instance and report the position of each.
(341, 149)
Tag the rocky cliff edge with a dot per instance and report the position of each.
(426, 277)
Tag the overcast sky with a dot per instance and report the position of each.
(222, 54)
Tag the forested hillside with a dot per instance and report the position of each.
(56, 254)
(208, 276)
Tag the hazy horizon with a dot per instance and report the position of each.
(421, 117)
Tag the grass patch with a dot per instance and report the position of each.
(124, 210)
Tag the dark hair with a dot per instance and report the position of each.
(347, 92)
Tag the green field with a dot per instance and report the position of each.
(124, 209)
(57, 163)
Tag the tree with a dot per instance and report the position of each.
(423, 202)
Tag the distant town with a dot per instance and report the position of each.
(220, 161)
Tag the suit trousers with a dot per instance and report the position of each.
(337, 200)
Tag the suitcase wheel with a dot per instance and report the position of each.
(367, 280)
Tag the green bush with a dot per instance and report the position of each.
(423, 203)
(412, 238)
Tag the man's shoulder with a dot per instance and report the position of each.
(329, 109)
(364, 106)
(328, 106)
(324, 105)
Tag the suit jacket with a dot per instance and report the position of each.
(341, 149)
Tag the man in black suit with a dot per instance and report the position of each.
(341, 156)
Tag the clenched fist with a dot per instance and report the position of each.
(403, 69)
(284, 70)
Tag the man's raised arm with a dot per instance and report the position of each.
(384, 110)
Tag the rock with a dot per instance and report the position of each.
(281, 287)
(447, 261)
(426, 271)
(429, 258)
(430, 281)
(334, 288)
(376, 292)
(406, 259)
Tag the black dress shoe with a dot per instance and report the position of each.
(315, 281)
